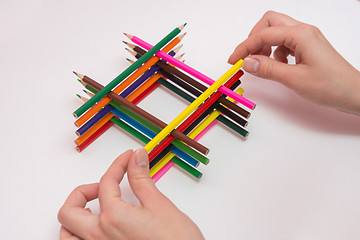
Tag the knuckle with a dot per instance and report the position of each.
(309, 30)
(269, 13)
(268, 69)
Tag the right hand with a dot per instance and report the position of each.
(156, 217)
(320, 74)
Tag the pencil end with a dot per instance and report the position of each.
(182, 26)
(81, 76)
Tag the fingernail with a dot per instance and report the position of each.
(141, 158)
(251, 65)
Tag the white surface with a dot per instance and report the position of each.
(295, 177)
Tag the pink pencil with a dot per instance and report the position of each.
(192, 71)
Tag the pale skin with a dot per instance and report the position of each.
(156, 217)
(320, 75)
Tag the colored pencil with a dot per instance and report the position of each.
(171, 70)
(172, 125)
(128, 71)
(194, 73)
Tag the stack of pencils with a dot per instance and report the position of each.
(167, 144)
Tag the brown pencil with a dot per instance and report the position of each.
(146, 115)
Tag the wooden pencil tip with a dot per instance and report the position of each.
(125, 42)
(181, 36)
(177, 48)
(81, 76)
(182, 26)
(128, 35)
(131, 52)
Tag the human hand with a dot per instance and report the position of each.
(156, 217)
(320, 74)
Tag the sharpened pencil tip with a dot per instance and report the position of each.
(79, 80)
(81, 76)
(182, 26)
(128, 35)
(181, 36)
(78, 95)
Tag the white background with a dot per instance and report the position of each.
(297, 176)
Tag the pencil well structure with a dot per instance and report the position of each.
(175, 143)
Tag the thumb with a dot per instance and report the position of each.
(266, 67)
(140, 181)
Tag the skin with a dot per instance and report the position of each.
(320, 74)
(156, 217)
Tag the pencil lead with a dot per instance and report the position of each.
(178, 48)
(128, 35)
(182, 26)
(78, 96)
(181, 36)
(79, 80)
(131, 52)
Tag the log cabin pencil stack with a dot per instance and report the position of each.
(168, 144)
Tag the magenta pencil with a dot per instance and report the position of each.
(193, 72)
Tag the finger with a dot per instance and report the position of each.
(67, 235)
(281, 53)
(140, 181)
(272, 36)
(268, 68)
(109, 189)
(72, 214)
(272, 19)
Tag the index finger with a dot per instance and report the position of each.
(109, 189)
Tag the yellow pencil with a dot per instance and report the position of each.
(209, 119)
(161, 135)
